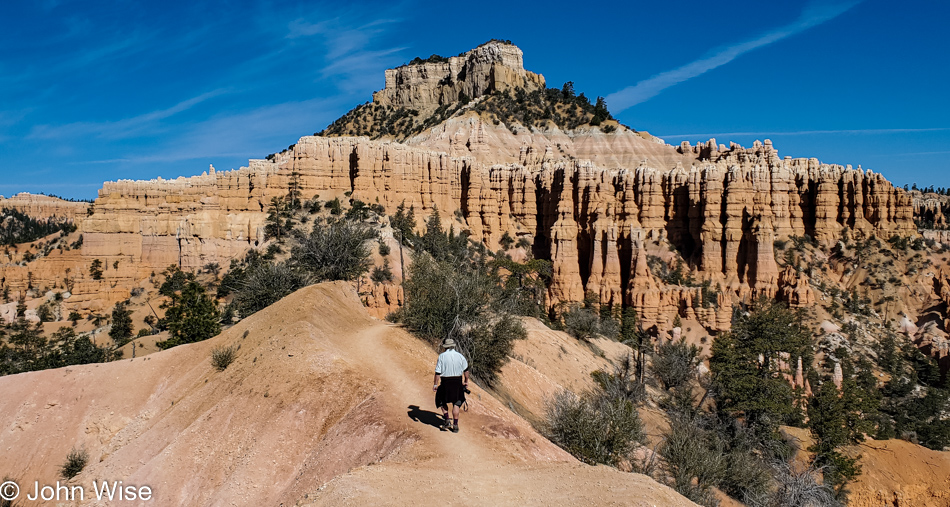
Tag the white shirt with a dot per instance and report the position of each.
(451, 364)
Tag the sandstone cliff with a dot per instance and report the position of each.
(493, 67)
(589, 200)
(43, 206)
(592, 222)
(931, 209)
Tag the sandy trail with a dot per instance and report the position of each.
(317, 409)
(409, 395)
(497, 458)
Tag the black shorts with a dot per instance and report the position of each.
(450, 391)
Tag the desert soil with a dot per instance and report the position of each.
(323, 406)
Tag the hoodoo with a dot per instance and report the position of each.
(587, 272)
(590, 198)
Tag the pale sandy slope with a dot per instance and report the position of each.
(317, 409)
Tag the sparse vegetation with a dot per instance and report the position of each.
(191, 316)
(584, 324)
(601, 426)
(76, 461)
(530, 108)
(265, 283)
(18, 227)
(223, 355)
(334, 250)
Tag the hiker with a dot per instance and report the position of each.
(452, 368)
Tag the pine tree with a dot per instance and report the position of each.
(192, 316)
(121, 325)
(828, 420)
(277, 215)
(293, 190)
(745, 364)
(95, 269)
(404, 221)
(601, 113)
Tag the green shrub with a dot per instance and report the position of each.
(696, 458)
(76, 460)
(798, 486)
(581, 323)
(192, 316)
(487, 345)
(620, 383)
(264, 284)
(383, 249)
(334, 206)
(439, 294)
(334, 250)
(447, 299)
(222, 356)
(524, 289)
(382, 274)
(595, 429)
(584, 324)
(675, 363)
(603, 425)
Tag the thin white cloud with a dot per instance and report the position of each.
(806, 132)
(302, 28)
(347, 49)
(813, 15)
(249, 134)
(125, 128)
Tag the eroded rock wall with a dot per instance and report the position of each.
(492, 67)
(593, 223)
(44, 206)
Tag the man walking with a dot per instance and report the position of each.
(452, 368)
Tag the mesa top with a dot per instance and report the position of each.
(451, 364)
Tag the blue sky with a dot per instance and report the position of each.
(102, 90)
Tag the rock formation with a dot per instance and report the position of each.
(493, 67)
(589, 201)
(930, 209)
(43, 206)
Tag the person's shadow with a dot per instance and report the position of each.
(424, 416)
